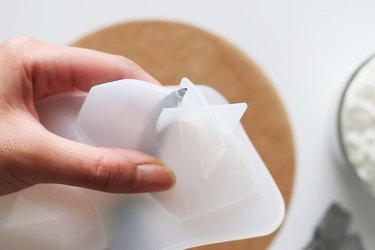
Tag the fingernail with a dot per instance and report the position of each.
(151, 178)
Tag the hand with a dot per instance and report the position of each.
(29, 154)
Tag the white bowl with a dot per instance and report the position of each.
(355, 124)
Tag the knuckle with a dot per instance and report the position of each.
(20, 43)
(113, 175)
(102, 173)
(128, 63)
(123, 59)
(18, 50)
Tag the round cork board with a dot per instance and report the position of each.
(170, 51)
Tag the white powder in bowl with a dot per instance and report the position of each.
(357, 122)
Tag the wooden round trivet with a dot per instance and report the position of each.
(169, 51)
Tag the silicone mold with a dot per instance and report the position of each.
(223, 190)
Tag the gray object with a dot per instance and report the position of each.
(352, 242)
(332, 232)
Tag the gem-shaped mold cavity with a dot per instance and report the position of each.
(179, 126)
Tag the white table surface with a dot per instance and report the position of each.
(307, 48)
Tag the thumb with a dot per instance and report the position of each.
(115, 170)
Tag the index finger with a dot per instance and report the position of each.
(54, 68)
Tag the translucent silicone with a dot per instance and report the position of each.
(223, 191)
(50, 217)
(195, 139)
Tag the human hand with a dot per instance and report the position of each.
(29, 154)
